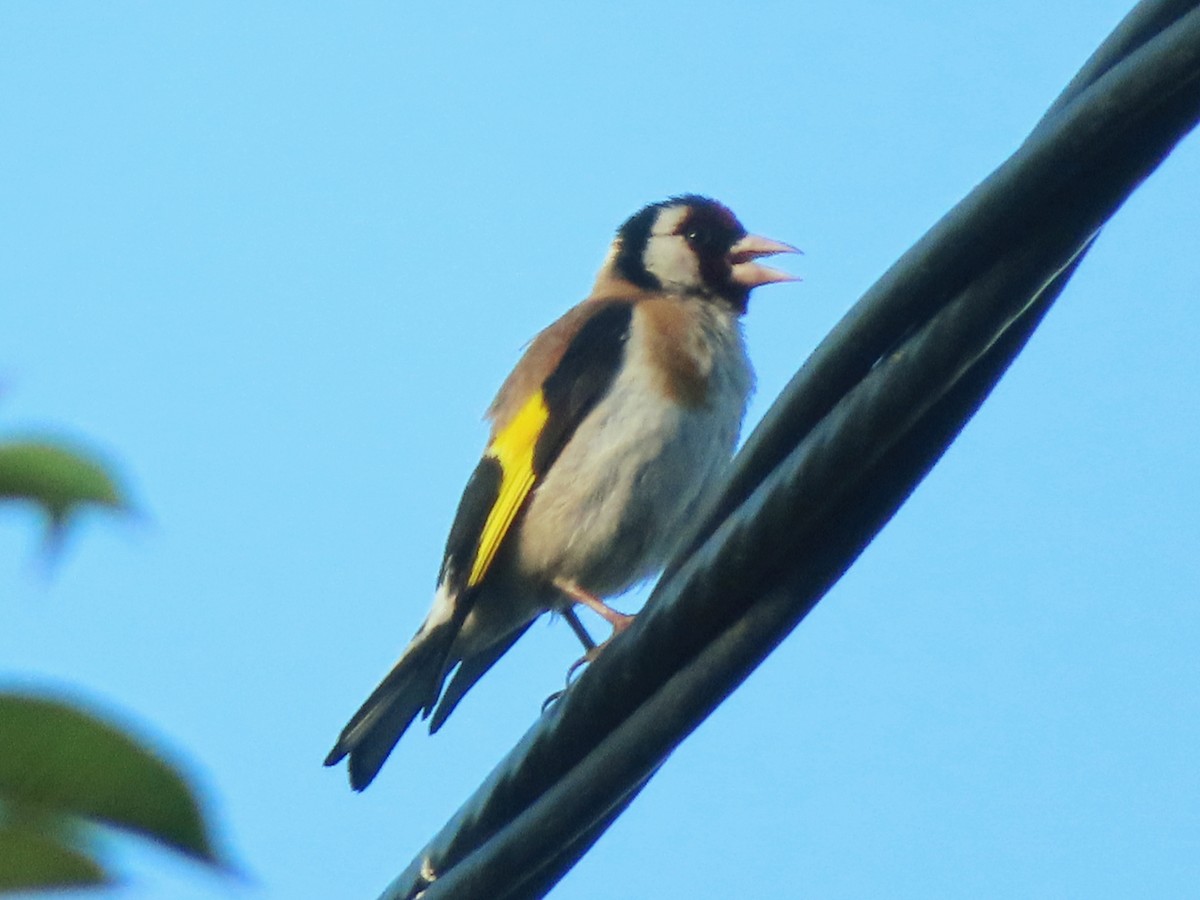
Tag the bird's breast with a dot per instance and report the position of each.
(610, 510)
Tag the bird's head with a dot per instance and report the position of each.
(693, 245)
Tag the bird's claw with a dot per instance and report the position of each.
(589, 656)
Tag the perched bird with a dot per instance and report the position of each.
(603, 439)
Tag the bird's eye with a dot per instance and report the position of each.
(699, 238)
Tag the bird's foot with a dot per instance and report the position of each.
(593, 653)
(592, 649)
(589, 656)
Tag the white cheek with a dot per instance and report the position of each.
(669, 259)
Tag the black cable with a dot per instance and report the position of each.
(853, 434)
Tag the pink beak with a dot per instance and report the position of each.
(747, 272)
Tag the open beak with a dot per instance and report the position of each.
(749, 273)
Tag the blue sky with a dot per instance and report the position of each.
(274, 259)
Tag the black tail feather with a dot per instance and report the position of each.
(470, 671)
(413, 684)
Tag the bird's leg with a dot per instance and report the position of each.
(618, 621)
(580, 632)
(589, 646)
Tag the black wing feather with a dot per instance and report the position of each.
(582, 377)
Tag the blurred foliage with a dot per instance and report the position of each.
(64, 771)
(58, 479)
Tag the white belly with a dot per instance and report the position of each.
(610, 510)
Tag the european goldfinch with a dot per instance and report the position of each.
(603, 439)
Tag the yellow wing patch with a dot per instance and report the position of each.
(513, 449)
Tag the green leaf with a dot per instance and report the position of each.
(63, 761)
(31, 859)
(56, 478)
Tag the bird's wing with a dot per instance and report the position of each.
(563, 374)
